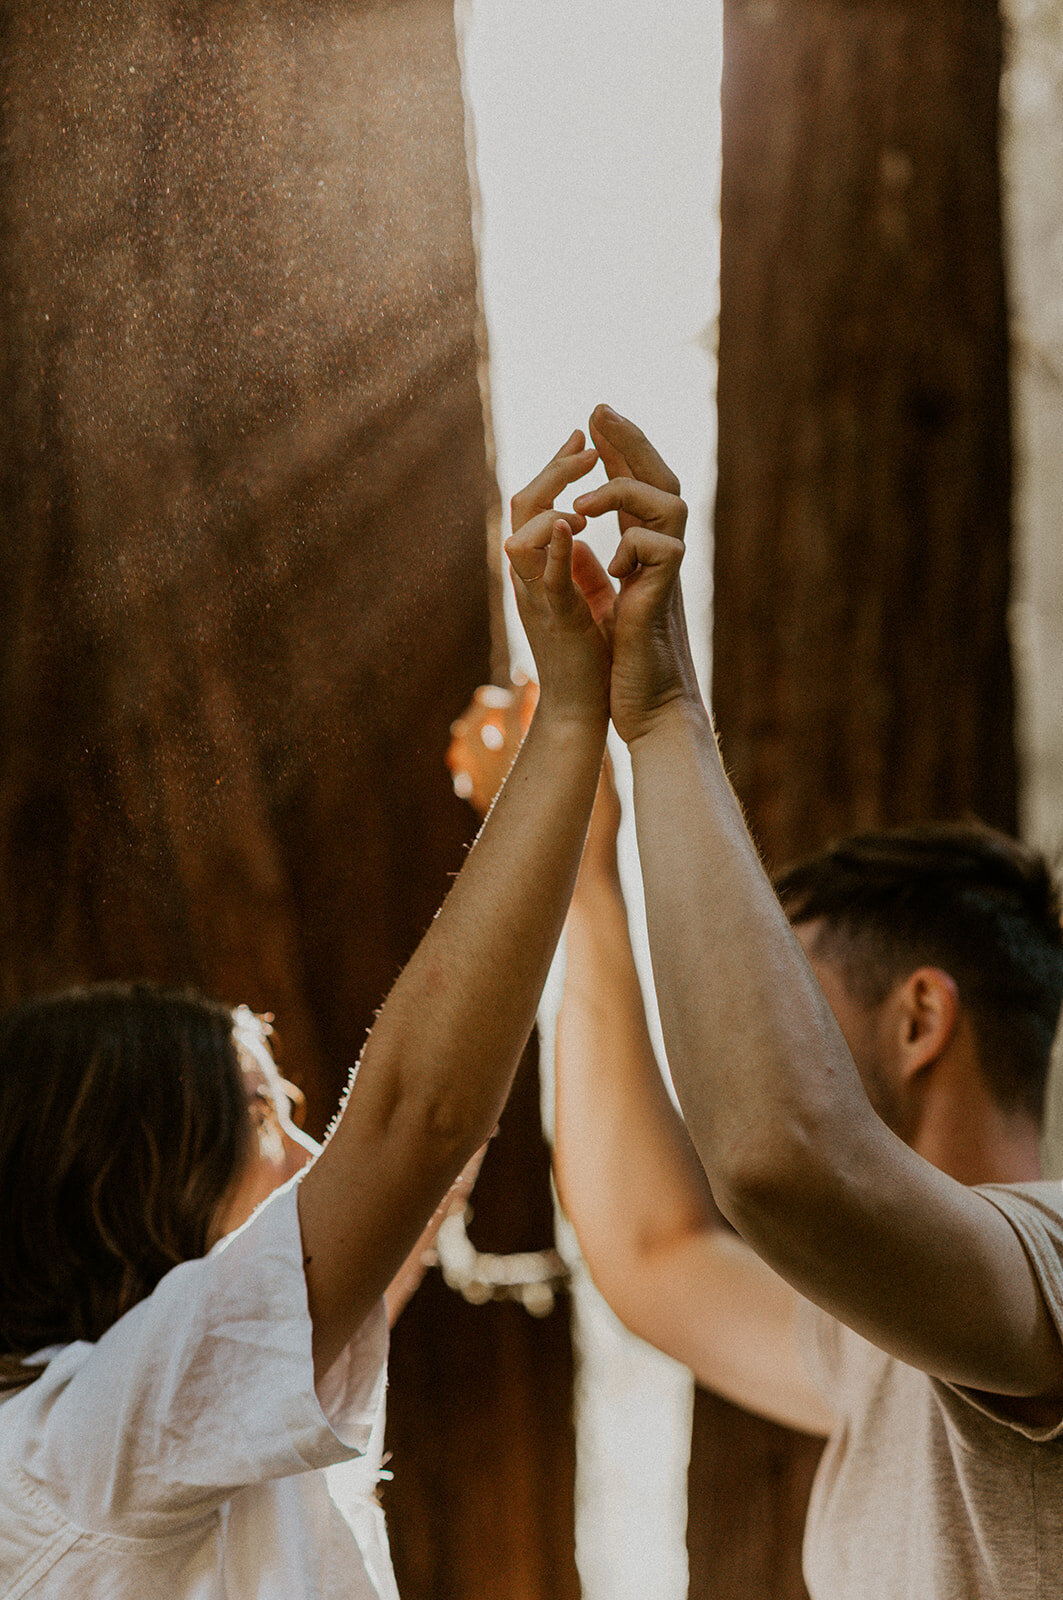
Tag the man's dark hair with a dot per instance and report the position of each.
(959, 896)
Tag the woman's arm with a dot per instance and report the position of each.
(627, 1174)
(404, 1285)
(439, 1061)
(632, 1185)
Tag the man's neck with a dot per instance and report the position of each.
(980, 1143)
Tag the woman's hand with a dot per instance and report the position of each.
(651, 662)
(485, 740)
(564, 596)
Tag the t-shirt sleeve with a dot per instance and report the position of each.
(819, 1346)
(1035, 1211)
(203, 1388)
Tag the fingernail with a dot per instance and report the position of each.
(614, 416)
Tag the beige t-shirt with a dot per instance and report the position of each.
(926, 1491)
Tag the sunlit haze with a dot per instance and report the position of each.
(597, 139)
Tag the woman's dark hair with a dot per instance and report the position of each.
(959, 896)
(123, 1122)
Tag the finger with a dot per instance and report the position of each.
(455, 751)
(645, 547)
(572, 445)
(557, 575)
(490, 697)
(611, 458)
(615, 466)
(542, 491)
(592, 580)
(528, 549)
(576, 521)
(654, 508)
(520, 515)
(629, 440)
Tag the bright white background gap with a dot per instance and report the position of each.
(597, 143)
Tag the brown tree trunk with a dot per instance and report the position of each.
(861, 665)
(245, 589)
(487, 1511)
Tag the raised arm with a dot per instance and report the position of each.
(632, 1185)
(798, 1160)
(439, 1061)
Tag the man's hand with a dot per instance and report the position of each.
(563, 595)
(652, 667)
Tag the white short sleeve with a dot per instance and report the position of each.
(202, 1389)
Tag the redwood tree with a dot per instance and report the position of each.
(861, 666)
(243, 493)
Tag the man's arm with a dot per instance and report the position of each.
(632, 1185)
(439, 1061)
(798, 1161)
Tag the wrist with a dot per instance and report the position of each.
(561, 718)
(679, 716)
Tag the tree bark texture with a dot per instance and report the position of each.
(861, 663)
(245, 586)
(488, 1511)
(862, 667)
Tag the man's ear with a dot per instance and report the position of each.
(928, 1013)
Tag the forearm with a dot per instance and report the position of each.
(627, 1174)
(439, 1061)
(638, 1197)
(454, 1026)
(765, 1080)
(407, 1280)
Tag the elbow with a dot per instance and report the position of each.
(623, 1285)
(442, 1126)
(634, 1265)
(448, 1129)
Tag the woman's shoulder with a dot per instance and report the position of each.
(205, 1386)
